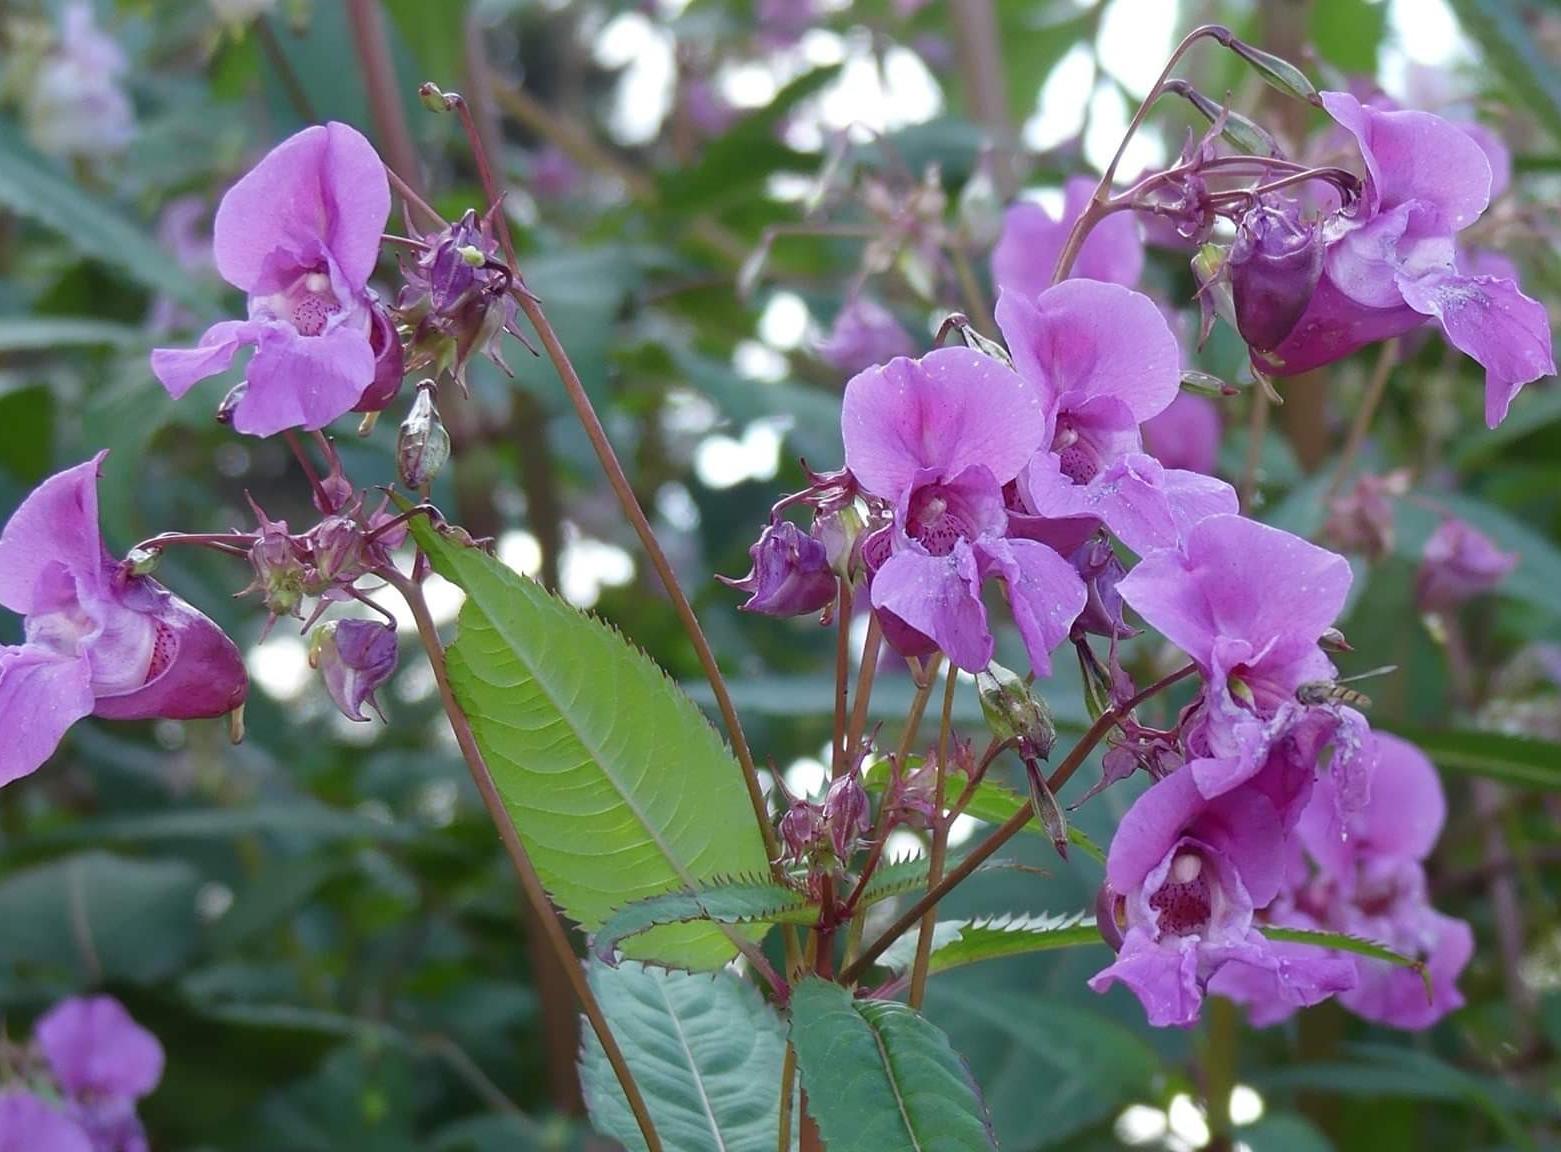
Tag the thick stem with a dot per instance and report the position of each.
(864, 687)
(787, 1093)
(840, 740)
(1222, 1031)
(940, 843)
(1010, 827)
(544, 916)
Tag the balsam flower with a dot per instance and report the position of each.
(104, 1063)
(99, 640)
(1032, 238)
(864, 333)
(1186, 874)
(790, 574)
(30, 1124)
(1390, 262)
(1103, 361)
(75, 105)
(1459, 563)
(1248, 603)
(300, 234)
(937, 439)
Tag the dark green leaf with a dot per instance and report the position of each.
(956, 943)
(881, 1078)
(737, 902)
(47, 333)
(1515, 760)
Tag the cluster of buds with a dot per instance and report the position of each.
(822, 837)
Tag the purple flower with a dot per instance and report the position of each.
(1248, 604)
(457, 297)
(865, 333)
(1026, 253)
(1186, 435)
(1390, 261)
(28, 1124)
(96, 1050)
(790, 575)
(1459, 563)
(1103, 361)
(74, 105)
(99, 640)
(300, 234)
(1362, 519)
(554, 174)
(1187, 873)
(937, 439)
(355, 657)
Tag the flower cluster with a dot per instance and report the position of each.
(77, 1086)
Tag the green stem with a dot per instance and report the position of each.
(1221, 1038)
(940, 843)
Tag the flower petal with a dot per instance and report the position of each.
(94, 1048)
(180, 369)
(41, 695)
(1045, 594)
(303, 381)
(940, 597)
(56, 524)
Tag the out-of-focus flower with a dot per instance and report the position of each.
(552, 174)
(865, 333)
(1362, 519)
(1032, 239)
(1459, 563)
(75, 106)
(1186, 435)
(30, 1124)
(99, 639)
(300, 234)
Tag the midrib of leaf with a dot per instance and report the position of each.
(894, 1082)
(595, 752)
(693, 1065)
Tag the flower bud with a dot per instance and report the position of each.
(790, 575)
(355, 657)
(1209, 267)
(423, 445)
(1275, 263)
(847, 813)
(1101, 570)
(336, 543)
(279, 572)
(838, 532)
(1277, 72)
(1459, 563)
(800, 830)
(1014, 713)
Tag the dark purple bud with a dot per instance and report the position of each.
(389, 361)
(848, 814)
(1110, 917)
(801, 829)
(790, 576)
(910, 797)
(355, 657)
(1275, 263)
(838, 532)
(1101, 571)
(1459, 563)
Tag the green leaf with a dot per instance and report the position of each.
(735, 902)
(1356, 945)
(1284, 1132)
(93, 916)
(46, 333)
(705, 1051)
(956, 943)
(1513, 53)
(1348, 33)
(880, 1078)
(618, 786)
(32, 187)
(1514, 760)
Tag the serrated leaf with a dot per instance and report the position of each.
(879, 1077)
(910, 875)
(31, 187)
(737, 902)
(618, 786)
(1513, 53)
(1515, 760)
(956, 943)
(705, 1051)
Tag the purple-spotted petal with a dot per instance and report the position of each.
(324, 186)
(1493, 322)
(41, 695)
(940, 597)
(1084, 339)
(94, 1048)
(56, 525)
(303, 381)
(950, 410)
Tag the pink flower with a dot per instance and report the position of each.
(865, 333)
(99, 640)
(1032, 238)
(300, 234)
(1186, 435)
(1459, 563)
(937, 439)
(28, 1124)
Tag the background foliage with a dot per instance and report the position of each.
(318, 923)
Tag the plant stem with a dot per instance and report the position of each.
(1010, 827)
(940, 843)
(1222, 1032)
(367, 20)
(1257, 432)
(788, 1080)
(840, 740)
(865, 676)
(1376, 387)
(531, 884)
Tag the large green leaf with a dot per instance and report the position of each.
(956, 943)
(880, 1078)
(739, 902)
(32, 187)
(618, 786)
(94, 916)
(1514, 54)
(1514, 760)
(706, 1054)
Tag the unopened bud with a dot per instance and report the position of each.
(1277, 72)
(433, 98)
(1214, 295)
(800, 829)
(1275, 264)
(1333, 640)
(790, 576)
(1047, 810)
(838, 532)
(423, 445)
(142, 561)
(1015, 713)
(848, 814)
(1203, 384)
(337, 546)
